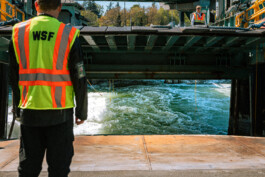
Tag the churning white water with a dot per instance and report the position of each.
(152, 107)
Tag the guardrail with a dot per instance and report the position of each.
(9, 11)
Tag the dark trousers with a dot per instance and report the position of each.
(56, 141)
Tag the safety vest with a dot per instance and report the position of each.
(42, 46)
(199, 20)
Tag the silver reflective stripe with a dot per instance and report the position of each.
(44, 77)
(58, 96)
(63, 47)
(21, 33)
(24, 92)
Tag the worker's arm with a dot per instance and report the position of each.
(14, 78)
(78, 77)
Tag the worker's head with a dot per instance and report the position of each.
(51, 7)
(198, 9)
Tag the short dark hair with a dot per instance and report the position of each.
(47, 5)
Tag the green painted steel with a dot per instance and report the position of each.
(155, 53)
(73, 12)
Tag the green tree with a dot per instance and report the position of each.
(93, 7)
(118, 22)
(118, 5)
(109, 6)
(111, 18)
(137, 16)
(152, 17)
(92, 17)
(164, 17)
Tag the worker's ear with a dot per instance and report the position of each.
(60, 8)
(37, 6)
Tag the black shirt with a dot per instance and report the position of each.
(52, 117)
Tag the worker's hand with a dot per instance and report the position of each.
(79, 121)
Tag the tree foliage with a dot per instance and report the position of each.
(91, 16)
(135, 16)
(92, 6)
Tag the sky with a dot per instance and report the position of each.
(128, 5)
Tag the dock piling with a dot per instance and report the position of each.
(4, 99)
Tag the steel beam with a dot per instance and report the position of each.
(250, 41)
(210, 42)
(228, 43)
(4, 42)
(192, 40)
(165, 68)
(170, 42)
(131, 42)
(150, 42)
(111, 42)
(161, 75)
(92, 43)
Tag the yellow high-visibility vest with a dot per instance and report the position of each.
(42, 46)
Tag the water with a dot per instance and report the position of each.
(152, 107)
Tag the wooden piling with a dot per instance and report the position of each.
(3, 99)
(259, 100)
(240, 119)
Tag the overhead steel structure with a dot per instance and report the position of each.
(155, 53)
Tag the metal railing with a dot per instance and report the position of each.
(9, 11)
(246, 17)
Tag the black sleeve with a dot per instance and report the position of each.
(14, 78)
(79, 82)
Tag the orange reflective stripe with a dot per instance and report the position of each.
(24, 95)
(26, 42)
(63, 96)
(202, 17)
(57, 45)
(197, 17)
(26, 98)
(53, 97)
(71, 36)
(16, 30)
(45, 83)
(22, 40)
(44, 71)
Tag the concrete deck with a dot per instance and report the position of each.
(155, 155)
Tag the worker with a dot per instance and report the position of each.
(47, 73)
(198, 18)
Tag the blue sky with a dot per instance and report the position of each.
(127, 4)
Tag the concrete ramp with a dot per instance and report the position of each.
(156, 155)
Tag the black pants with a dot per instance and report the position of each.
(56, 141)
